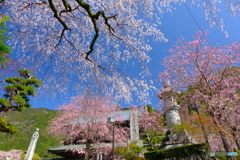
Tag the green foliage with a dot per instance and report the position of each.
(153, 138)
(222, 157)
(238, 151)
(152, 128)
(16, 97)
(27, 121)
(187, 151)
(5, 126)
(35, 156)
(4, 49)
(178, 128)
(149, 108)
(137, 158)
(131, 152)
(18, 90)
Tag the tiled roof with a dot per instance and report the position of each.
(101, 145)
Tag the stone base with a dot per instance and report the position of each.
(175, 139)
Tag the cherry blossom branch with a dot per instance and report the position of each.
(94, 17)
(31, 4)
(201, 72)
(55, 11)
(109, 69)
(69, 10)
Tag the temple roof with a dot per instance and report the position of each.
(63, 150)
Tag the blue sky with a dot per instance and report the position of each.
(177, 24)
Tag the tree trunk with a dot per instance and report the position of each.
(225, 141)
(234, 134)
(237, 143)
(223, 136)
(88, 152)
(150, 142)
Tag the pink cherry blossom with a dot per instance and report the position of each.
(212, 75)
(81, 44)
(12, 154)
(84, 121)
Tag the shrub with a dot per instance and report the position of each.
(131, 152)
(192, 150)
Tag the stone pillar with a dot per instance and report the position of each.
(32, 145)
(134, 129)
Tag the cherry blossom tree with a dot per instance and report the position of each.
(151, 124)
(13, 154)
(211, 76)
(230, 119)
(84, 121)
(200, 128)
(82, 43)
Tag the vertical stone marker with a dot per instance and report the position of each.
(134, 129)
(32, 145)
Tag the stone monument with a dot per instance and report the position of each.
(32, 145)
(134, 129)
(171, 111)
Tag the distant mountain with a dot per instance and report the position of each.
(27, 122)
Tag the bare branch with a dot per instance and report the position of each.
(32, 4)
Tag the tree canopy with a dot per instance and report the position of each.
(17, 95)
(211, 77)
(152, 127)
(89, 44)
(4, 49)
(84, 121)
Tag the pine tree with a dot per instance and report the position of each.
(4, 49)
(19, 88)
(17, 96)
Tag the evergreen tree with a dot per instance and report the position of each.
(19, 88)
(4, 49)
(17, 96)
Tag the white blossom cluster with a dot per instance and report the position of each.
(58, 53)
